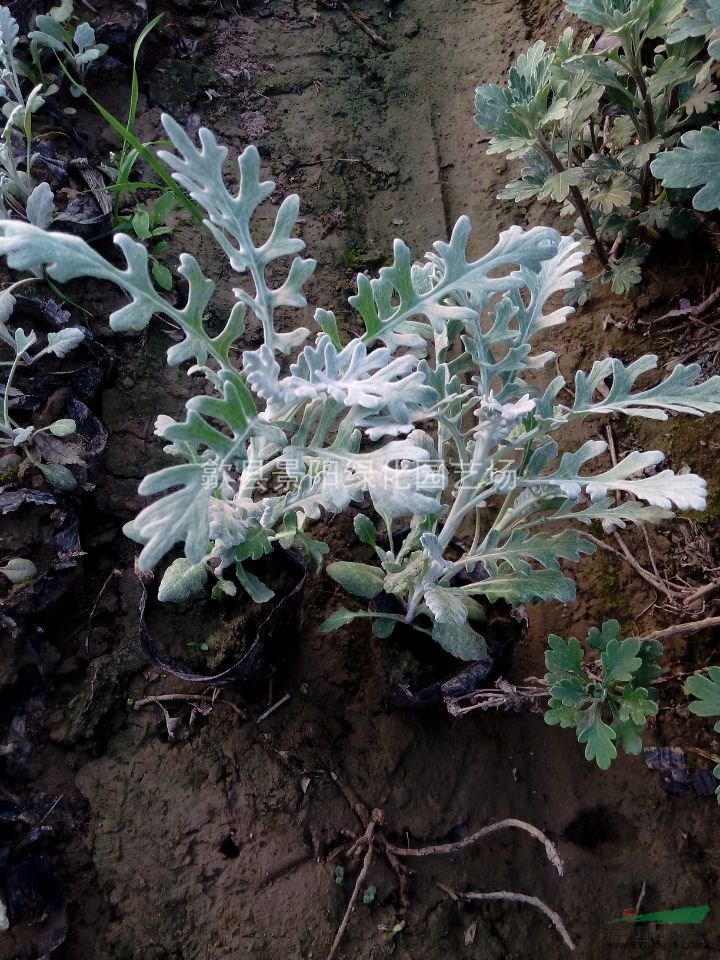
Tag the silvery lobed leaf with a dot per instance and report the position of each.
(665, 489)
(66, 257)
(395, 491)
(545, 549)
(61, 342)
(445, 605)
(523, 588)
(679, 392)
(181, 516)
(388, 303)
(199, 171)
(22, 435)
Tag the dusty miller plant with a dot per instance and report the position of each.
(18, 192)
(29, 442)
(587, 121)
(520, 502)
(429, 412)
(24, 90)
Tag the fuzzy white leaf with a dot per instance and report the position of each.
(445, 605)
(62, 342)
(40, 206)
(182, 581)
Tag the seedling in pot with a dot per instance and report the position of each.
(44, 447)
(493, 437)
(17, 158)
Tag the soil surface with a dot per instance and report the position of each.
(222, 842)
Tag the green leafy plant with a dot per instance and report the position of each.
(695, 162)
(149, 223)
(588, 121)
(120, 166)
(706, 690)
(606, 699)
(369, 894)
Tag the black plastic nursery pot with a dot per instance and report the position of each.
(423, 676)
(260, 645)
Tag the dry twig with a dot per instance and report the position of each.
(682, 629)
(373, 841)
(357, 20)
(448, 848)
(552, 916)
(270, 710)
(365, 840)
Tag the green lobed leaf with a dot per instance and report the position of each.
(620, 660)
(459, 640)
(563, 656)
(598, 738)
(360, 579)
(696, 163)
(599, 639)
(627, 735)
(635, 706)
(706, 689)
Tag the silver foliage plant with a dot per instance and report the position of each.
(433, 414)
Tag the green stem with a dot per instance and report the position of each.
(6, 398)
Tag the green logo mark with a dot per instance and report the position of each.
(683, 915)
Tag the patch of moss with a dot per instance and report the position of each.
(609, 588)
(9, 475)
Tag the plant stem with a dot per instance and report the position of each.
(6, 397)
(636, 71)
(577, 200)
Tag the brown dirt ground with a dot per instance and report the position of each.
(216, 845)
